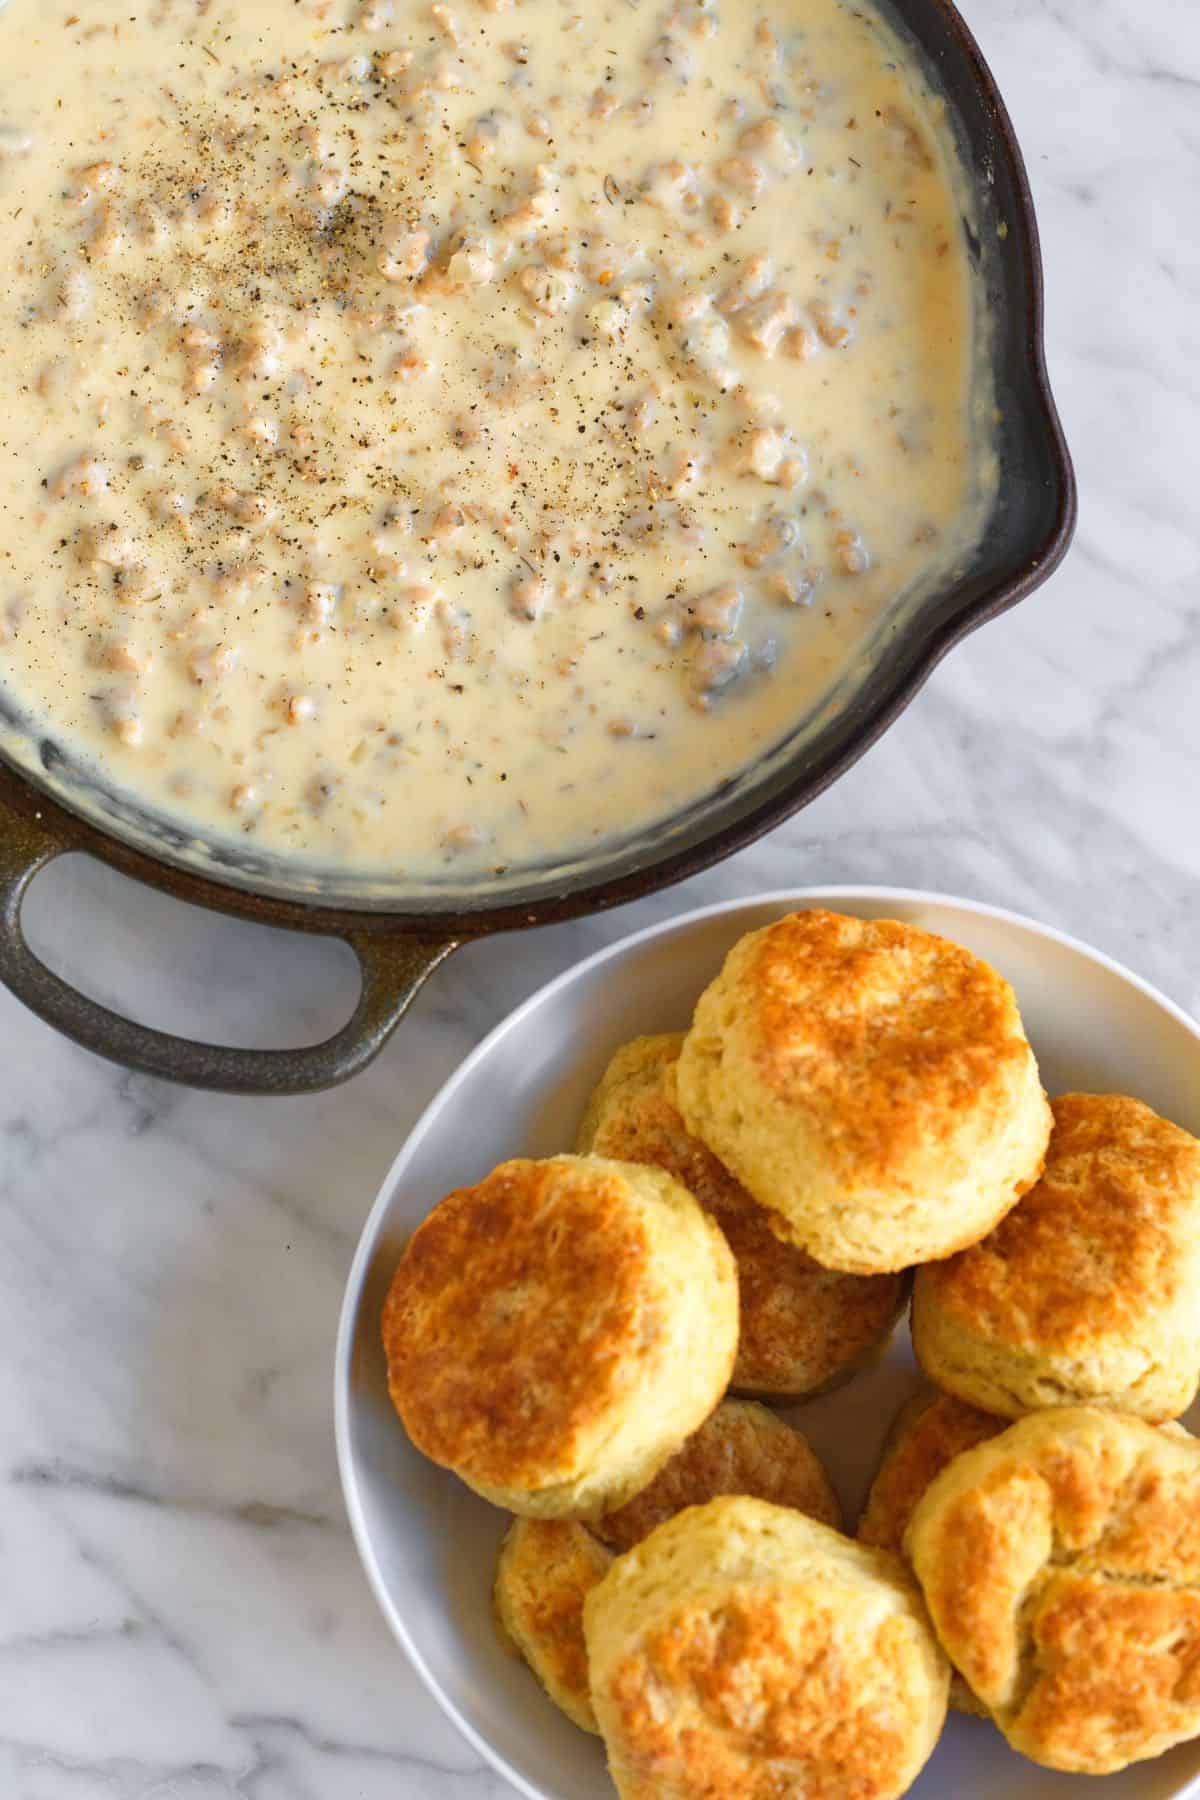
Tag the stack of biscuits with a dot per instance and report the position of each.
(596, 1342)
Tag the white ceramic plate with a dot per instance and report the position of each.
(429, 1545)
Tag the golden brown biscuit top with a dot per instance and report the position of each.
(877, 1031)
(1113, 1706)
(549, 1566)
(755, 1697)
(521, 1307)
(929, 1432)
(1093, 1247)
(1061, 1563)
(794, 1314)
(742, 1448)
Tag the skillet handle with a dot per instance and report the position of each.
(393, 972)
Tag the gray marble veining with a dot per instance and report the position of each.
(181, 1611)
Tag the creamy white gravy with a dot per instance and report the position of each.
(452, 433)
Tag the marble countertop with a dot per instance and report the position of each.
(181, 1610)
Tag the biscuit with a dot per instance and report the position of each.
(928, 1432)
(1088, 1293)
(803, 1328)
(556, 1331)
(743, 1652)
(743, 1448)
(868, 1082)
(547, 1567)
(545, 1570)
(1061, 1565)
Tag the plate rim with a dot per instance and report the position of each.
(832, 895)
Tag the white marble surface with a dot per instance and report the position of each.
(181, 1611)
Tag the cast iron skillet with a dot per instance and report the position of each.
(401, 933)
